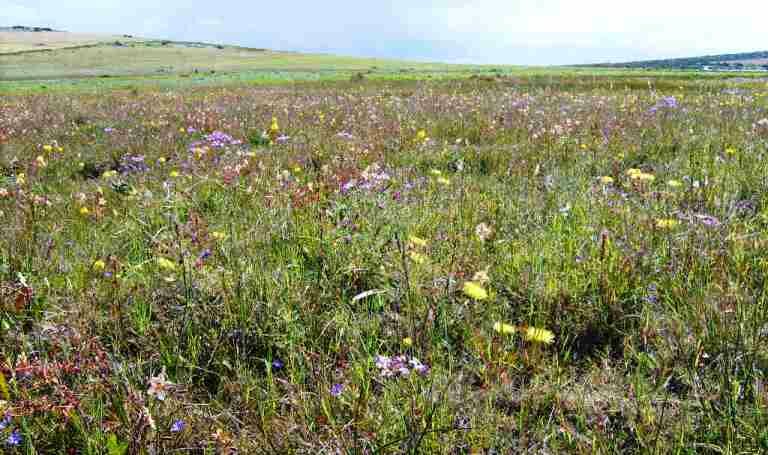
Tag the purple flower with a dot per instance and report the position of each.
(109, 129)
(5, 422)
(277, 364)
(177, 426)
(14, 439)
(337, 389)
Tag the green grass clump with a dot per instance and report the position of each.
(564, 263)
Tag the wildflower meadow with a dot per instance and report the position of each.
(549, 264)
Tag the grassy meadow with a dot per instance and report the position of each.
(551, 261)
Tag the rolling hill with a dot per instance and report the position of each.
(749, 61)
(28, 53)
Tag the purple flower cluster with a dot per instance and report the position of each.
(216, 140)
(133, 164)
(667, 103)
(373, 178)
(399, 366)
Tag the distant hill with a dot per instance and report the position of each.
(748, 61)
(41, 53)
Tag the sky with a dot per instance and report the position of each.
(532, 32)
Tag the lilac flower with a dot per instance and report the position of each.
(14, 439)
(399, 366)
(131, 164)
(177, 426)
(282, 139)
(191, 130)
(708, 220)
(337, 389)
(108, 129)
(666, 103)
(277, 364)
(5, 422)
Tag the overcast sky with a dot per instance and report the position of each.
(474, 31)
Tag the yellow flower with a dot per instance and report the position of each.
(166, 264)
(435, 172)
(84, 211)
(538, 335)
(108, 174)
(633, 171)
(474, 290)
(730, 151)
(218, 235)
(417, 258)
(407, 342)
(99, 265)
(443, 181)
(47, 148)
(161, 160)
(504, 329)
(421, 136)
(674, 183)
(173, 174)
(21, 179)
(644, 177)
(667, 223)
(606, 180)
(274, 127)
(417, 241)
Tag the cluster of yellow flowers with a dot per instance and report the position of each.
(640, 176)
(530, 334)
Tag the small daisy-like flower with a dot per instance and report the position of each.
(483, 232)
(475, 291)
(539, 335)
(504, 329)
(407, 342)
(99, 265)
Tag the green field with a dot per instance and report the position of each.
(303, 253)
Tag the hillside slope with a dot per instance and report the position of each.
(723, 62)
(26, 55)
